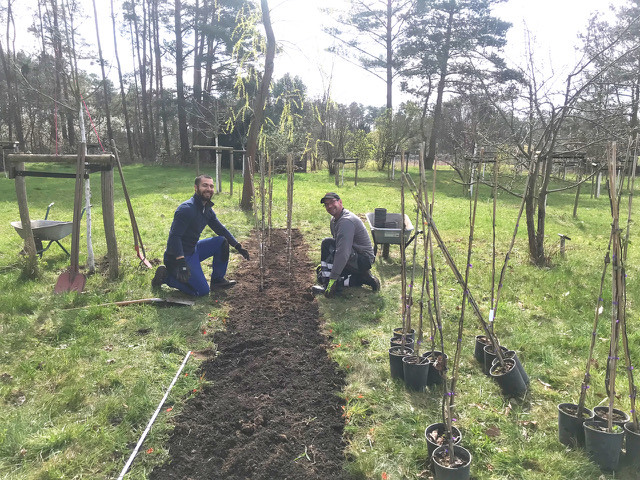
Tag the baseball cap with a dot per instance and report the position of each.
(330, 196)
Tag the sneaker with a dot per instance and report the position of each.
(160, 277)
(222, 283)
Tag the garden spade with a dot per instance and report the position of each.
(72, 279)
(137, 239)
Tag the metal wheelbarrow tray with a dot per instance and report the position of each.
(47, 230)
(392, 231)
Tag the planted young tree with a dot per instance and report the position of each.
(290, 179)
(449, 458)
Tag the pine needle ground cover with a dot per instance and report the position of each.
(78, 387)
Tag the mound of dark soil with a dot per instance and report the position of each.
(271, 410)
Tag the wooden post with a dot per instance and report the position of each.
(31, 267)
(231, 172)
(198, 163)
(336, 170)
(219, 171)
(356, 180)
(108, 220)
(575, 203)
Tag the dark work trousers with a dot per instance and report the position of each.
(357, 266)
(216, 247)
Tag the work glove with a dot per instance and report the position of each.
(182, 272)
(331, 289)
(242, 251)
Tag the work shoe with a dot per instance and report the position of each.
(160, 277)
(222, 283)
(372, 281)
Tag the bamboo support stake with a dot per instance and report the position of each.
(594, 335)
(270, 162)
(496, 169)
(262, 223)
(290, 177)
(617, 310)
(450, 395)
(403, 261)
(427, 248)
(625, 338)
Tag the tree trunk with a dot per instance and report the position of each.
(437, 111)
(182, 110)
(258, 109)
(123, 97)
(389, 40)
(146, 145)
(105, 86)
(158, 54)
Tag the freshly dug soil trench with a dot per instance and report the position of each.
(271, 410)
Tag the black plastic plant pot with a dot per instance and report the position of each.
(508, 378)
(397, 332)
(434, 433)
(461, 468)
(397, 342)
(489, 355)
(513, 355)
(602, 446)
(632, 442)
(436, 364)
(601, 414)
(570, 428)
(396, 354)
(478, 352)
(416, 372)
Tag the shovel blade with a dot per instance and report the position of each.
(70, 282)
(143, 259)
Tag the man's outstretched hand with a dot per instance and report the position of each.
(332, 288)
(182, 272)
(242, 251)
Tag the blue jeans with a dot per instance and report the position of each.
(198, 285)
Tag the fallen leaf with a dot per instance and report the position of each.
(149, 450)
(492, 432)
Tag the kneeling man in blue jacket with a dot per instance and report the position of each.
(185, 250)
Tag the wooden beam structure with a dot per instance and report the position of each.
(104, 163)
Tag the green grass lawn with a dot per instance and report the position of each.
(78, 387)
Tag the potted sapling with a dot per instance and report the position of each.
(511, 383)
(398, 352)
(451, 460)
(603, 440)
(415, 367)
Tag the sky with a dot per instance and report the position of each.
(298, 24)
(298, 28)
